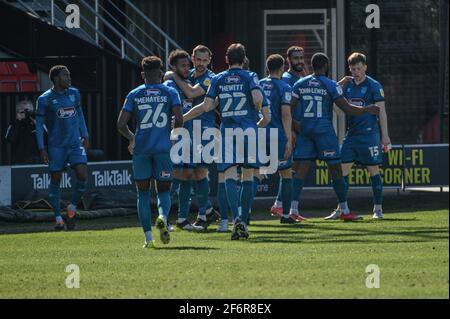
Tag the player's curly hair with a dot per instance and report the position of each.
(55, 70)
(274, 62)
(236, 54)
(151, 63)
(357, 57)
(176, 55)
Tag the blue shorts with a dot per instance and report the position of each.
(198, 149)
(59, 157)
(239, 154)
(155, 166)
(321, 145)
(362, 149)
(281, 147)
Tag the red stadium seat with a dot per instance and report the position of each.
(4, 68)
(18, 68)
(28, 86)
(28, 83)
(8, 83)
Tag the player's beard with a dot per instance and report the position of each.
(200, 68)
(298, 67)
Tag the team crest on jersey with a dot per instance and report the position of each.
(66, 112)
(357, 102)
(55, 101)
(150, 92)
(207, 82)
(232, 79)
(364, 90)
(313, 83)
(72, 98)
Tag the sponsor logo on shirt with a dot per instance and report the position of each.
(150, 92)
(66, 112)
(55, 101)
(357, 102)
(232, 79)
(313, 83)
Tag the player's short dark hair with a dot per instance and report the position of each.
(357, 57)
(236, 54)
(319, 60)
(151, 64)
(176, 55)
(201, 48)
(293, 49)
(55, 70)
(274, 62)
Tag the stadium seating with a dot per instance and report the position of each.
(16, 77)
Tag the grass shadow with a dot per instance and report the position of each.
(186, 248)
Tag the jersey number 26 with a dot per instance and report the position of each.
(158, 119)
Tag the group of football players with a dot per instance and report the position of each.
(296, 105)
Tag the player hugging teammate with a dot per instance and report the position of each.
(293, 108)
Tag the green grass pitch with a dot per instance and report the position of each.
(317, 259)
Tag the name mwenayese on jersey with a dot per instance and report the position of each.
(240, 146)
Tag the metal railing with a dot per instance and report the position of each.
(130, 45)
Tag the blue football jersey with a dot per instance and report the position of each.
(233, 88)
(316, 95)
(368, 92)
(209, 118)
(61, 112)
(278, 93)
(290, 78)
(186, 103)
(152, 106)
